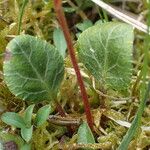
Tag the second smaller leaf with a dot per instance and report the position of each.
(42, 115)
(26, 133)
(85, 25)
(26, 147)
(85, 135)
(28, 115)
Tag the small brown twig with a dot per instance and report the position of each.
(64, 121)
(63, 114)
(60, 109)
(1, 18)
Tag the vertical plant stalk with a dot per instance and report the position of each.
(21, 15)
(63, 114)
(64, 26)
(60, 109)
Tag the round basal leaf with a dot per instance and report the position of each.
(33, 69)
(26, 133)
(13, 119)
(106, 51)
(85, 135)
(42, 115)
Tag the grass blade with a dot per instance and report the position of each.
(135, 124)
(21, 15)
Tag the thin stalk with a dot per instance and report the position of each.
(64, 26)
(63, 114)
(60, 109)
(80, 12)
(21, 15)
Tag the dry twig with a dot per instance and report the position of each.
(128, 19)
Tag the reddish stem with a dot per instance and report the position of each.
(64, 26)
(63, 114)
(60, 110)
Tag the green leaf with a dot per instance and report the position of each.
(13, 119)
(85, 135)
(33, 69)
(1, 146)
(106, 51)
(42, 115)
(46, 1)
(26, 133)
(85, 25)
(69, 9)
(28, 115)
(26, 147)
(59, 41)
(84, 4)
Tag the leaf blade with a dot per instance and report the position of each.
(26, 147)
(42, 115)
(85, 25)
(105, 50)
(34, 70)
(85, 135)
(26, 133)
(28, 115)
(13, 119)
